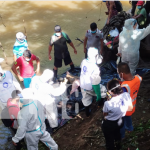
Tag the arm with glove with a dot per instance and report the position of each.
(96, 79)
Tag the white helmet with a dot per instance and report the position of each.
(47, 75)
(20, 37)
(94, 56)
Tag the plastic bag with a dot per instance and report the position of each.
(114, 32)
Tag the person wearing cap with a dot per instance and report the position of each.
(114, 109)
(60, 40)
(129, 43)
(26, 68)
(44, 91)
(13, 109)
(90, 79)
(8, 83)
(93, 38)
(31, 123)
(141, 15)
(20, 45)
(130, 84)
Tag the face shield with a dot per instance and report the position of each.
(99, 59)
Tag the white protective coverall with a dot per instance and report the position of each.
(129, 43)
(44, 92)
(90, 75)
(31, 120)
(8, 83)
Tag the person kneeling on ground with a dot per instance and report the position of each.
(14, 108)
(90, 79)
(26, 68)
(45, 93)
(114, 109)
(31, 121)
(60, 40)
(131, 84)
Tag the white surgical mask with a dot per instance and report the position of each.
(121, 78)
(58, 34)
(28, 59)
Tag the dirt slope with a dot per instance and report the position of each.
(85, 133)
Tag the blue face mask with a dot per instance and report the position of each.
(93, 31)
(21, 100)
(139, 7)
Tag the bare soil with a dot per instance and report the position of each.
(86, 134)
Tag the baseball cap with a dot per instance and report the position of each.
(57, 28)
(139, 3)
(20, 37)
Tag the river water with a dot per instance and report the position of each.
(40, 17)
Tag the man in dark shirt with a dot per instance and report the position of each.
(60, 40)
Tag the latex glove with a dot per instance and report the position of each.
(75, 85)
(97, 91)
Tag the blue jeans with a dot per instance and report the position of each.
(127, 125)
(27, 81)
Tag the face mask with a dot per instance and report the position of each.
(58, 34)
(28, 59)
(2, 76)
(121, 78)
(93, 31)
(21, 100)
(139, 7)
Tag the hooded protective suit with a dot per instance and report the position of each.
(90, 76)
(44, 92)
(129, 43)
(31, 120)
(8, 83)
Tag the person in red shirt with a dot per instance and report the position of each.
(26, 68)
(13, 109)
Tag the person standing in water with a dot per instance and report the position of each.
(60, 40)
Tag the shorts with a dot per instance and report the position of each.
(58, 62)
(27, 81)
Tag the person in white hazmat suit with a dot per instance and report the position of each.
(129, 43)
(8, 83)
(45, 92)
(31, 121)
(90, 79)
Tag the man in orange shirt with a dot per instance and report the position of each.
(130, 84)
